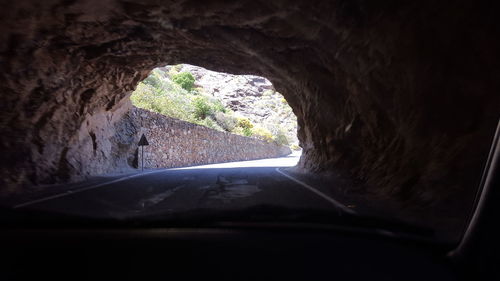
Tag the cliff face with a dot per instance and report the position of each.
(400, 94)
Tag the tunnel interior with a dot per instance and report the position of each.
(399, 95)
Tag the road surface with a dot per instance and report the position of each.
(231, 186)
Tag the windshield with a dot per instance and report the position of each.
(335, 116)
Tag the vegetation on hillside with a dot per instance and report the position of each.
(184, 79)
(173, 94)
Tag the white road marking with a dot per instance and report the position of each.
(159, 197)
(319, 193)
(71, 192)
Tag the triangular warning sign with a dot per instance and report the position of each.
(143, 141)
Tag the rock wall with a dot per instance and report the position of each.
(176, 143)
(402, 95)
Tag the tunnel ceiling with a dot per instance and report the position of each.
(402, 95)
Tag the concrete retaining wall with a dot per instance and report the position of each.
(176, 143)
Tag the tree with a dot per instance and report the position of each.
(202, 108)
(185, 80)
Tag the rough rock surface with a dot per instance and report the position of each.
(176, 143)
(400, 94)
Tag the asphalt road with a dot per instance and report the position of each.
(231, 186)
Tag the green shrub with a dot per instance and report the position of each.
(219, 107)
(185, 80)
(173, 103)
(247, 132)
(154, 80)
(245, 123)
(262, 133)
(281, 138)
(202, 108)
(295, 147)
(208, 122)
(227, 122)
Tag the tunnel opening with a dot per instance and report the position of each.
(230, 105)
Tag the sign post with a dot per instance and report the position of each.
(142, 142)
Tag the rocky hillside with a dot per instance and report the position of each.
(249, 96)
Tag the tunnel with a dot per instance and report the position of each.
(399, 95)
